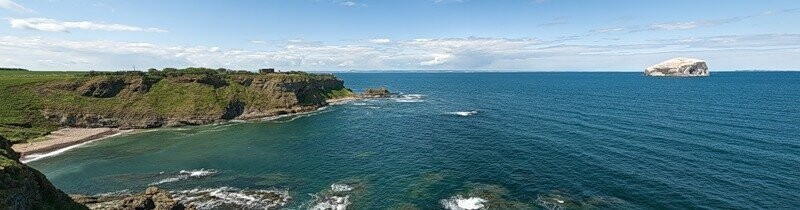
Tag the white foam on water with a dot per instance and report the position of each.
(463, 203)
(230, 197)
(360, 104)
(184, 174)
(409, 98)
(464, 113)
(39, 156)
(333, 202)
(199, 172)
(341, 188)
(550, 203)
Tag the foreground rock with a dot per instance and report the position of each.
(678, 67)
(381, 92)
(152, 198)
(22, 187)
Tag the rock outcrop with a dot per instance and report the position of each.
(22, 187)
(381, 92)
(152, 198)
(678, 67)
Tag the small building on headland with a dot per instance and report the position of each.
(266, 71)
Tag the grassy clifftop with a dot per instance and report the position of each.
(35, 103)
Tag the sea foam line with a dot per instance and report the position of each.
(464, 113)
(463, 203)
(184, 174)
(39, 156)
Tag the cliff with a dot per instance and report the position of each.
(40, 104)
(678, 67)
(22, 187)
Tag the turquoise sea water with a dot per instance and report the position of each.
(515, 140)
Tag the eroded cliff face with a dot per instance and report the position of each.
(143, 102)
(22, 187)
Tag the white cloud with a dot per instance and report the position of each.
(683, 25)
(44, 24)
(258, 41)
(11, 5)
(380, 41)
(764, 51)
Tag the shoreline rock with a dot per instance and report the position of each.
(22, 187)
(678, 67)
(152, 198)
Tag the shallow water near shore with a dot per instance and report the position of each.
(501, 140)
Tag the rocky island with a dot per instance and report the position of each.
(678, 67)
(381, 92)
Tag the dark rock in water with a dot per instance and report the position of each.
(22, 187)
(381, 92)
(152, 198)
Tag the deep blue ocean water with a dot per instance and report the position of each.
(516, 140)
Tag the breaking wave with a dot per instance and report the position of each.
(337, 198)
(341, 188)
(463, 203)
(39, 156)
(184, 174)
(464, 113)
(409, 98)
(233, 198)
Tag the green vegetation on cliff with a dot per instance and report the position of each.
(35, 103)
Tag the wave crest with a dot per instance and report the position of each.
(463, 203)
(409, 98)
(184, 174)
(464, 113)
(233, 198)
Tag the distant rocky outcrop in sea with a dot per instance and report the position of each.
(381, 92)
(678, 67)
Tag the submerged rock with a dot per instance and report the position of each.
(152, 198)
(22, 187)
(678, 67)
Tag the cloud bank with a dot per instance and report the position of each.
(11, 5)
(51, 25)
(472, 53)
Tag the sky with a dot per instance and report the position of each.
(339, 35)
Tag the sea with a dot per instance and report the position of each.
(548, 140)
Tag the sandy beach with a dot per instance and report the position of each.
(62, 138)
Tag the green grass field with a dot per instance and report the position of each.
(18, 102)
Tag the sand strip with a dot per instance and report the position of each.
(62, 138)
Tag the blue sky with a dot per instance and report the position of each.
(328, 35)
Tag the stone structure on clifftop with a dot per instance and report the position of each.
(678, 67)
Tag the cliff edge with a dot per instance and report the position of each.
(37, 103)
(22, 187)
